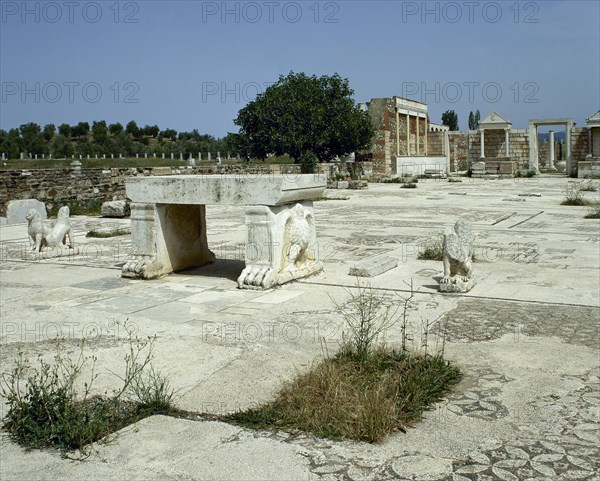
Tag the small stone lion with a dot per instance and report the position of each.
(457, 253)
(36, 230)
(61, 230)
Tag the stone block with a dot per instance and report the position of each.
(458, 285)
(357, 184)
(16, 210)
(373, 267)
(225, 189)
(115, 208)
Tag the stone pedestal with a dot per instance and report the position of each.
(458, 284)
(166, 238)
(280, 245)
(169, 232)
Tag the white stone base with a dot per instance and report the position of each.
(166, 238)
(280, 245)
(457, 284)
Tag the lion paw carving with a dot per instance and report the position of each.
(256, 276)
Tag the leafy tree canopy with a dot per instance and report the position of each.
(301, 114)
(450, 119)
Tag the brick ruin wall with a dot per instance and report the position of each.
(87, 187)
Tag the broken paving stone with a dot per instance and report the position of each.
(373, 267)
(531, 194)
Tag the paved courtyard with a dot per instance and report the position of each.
(527, 339)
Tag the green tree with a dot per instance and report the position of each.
(170, 134)
(65, 130)
(150, 130)
(61, 146)
(450, 119)
(115, 128)
(80, 130)
(100, 133)
(49, 131)
(3, 140)
(14, 144)
(477, 119)
(471, 121)
(33, 139)
(301, 114)
(133, 129)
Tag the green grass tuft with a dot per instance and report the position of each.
(358, 398)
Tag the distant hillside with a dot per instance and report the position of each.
(557, 136)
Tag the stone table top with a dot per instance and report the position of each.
(247, 189)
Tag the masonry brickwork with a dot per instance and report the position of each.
(89, 186)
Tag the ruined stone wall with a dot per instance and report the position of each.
(578, 143)
(386, 145)
(435, 143)
(544, 152)
(519, 149)
(495, 141)
(458, 144)
(89, 186)
(383, 117)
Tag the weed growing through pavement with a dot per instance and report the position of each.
(368, 389)
(45, 409)
(433, 248)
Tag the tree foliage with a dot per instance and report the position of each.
(301, 114)
(474, 119)
(450, 119)
(103, 139)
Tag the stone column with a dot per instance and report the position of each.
(417, 135)
(506, 143)
(551, 160)
(426, 135)
(533, 147)
(209, 156)
(407, 134)
(570, 170)
(397, 133)
(482, 140)
(589, 141)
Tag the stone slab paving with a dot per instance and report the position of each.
(526, 338)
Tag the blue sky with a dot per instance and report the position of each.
(192, 64)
